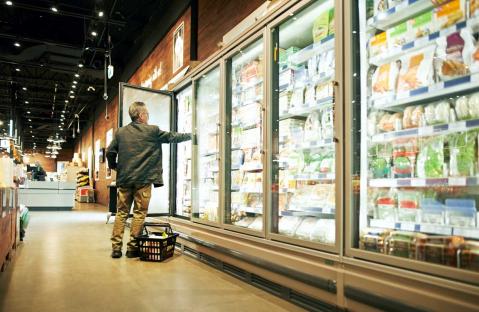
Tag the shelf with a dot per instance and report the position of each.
(426, 228)
(399, 13)
(258, 99)
(315, 144)
(241, 88)
(424, 94)
(316, 48)
(419, 43)
(250, 189)
(427, 182)
(304, 110)
(209, 153)
(314, 177)
(459, 126)
(309, 212)
(246, 127)
(252, 167)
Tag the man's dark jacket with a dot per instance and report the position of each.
(138, 147)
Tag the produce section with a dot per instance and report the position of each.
(207, 131)
(419, 160)
(303, 126)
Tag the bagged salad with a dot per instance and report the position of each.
(430, 160)
(462, 158)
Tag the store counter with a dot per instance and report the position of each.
(48, 195)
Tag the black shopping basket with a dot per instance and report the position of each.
(152, 246)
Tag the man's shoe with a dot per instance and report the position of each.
(132, 253)
(116, 254)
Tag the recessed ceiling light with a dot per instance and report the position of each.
(74, 87)
(59, 126)
(72, 96)
(31, 127)
(9, 3)
(61, 129)
(17, 69)
(63, 116)
(29, 119)
(75, 82)
(17, 44)
(80, 65)
(54, 9)
(24, 88)
(33, 136)
(76, 75)
(71, 91)
(100, 13)
(28, 112)
(66, 101)
(94, 34)
(63, 112)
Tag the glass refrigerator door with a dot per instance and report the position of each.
(183, 158)
(417, 107)
(244, 204)
(303, 164)
(207, 130)
(159, 105)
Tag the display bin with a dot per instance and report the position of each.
(153, 246)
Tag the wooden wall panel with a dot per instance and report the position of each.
(216, 18)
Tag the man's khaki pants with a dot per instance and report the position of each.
(140, 195)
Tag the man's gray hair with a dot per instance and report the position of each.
(136, 108)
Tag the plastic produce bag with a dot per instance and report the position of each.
(384, 80)
(416, 70)
(430, 161)
(453, 55)
(462, 154)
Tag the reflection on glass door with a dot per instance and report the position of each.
(419, 125)
(207, 130)
(303, 114)
(244, 204)
(183, 165)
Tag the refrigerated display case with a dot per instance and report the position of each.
(304, 151)
(207, 129)
(414, 117)
(184, 103)
(244, 137)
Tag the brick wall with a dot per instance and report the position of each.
(48, 164)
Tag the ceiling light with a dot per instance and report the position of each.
(66, 101)
(17, 69)
(28, 112)
(74, 87)
(26, 102)
(100, 14)
(71, 91)
(17, 44)
(31, 131)
(75, 82)
(31, 127)
(62, 123)
(54, 9)
(1, 123)
(9, 3)
(72, 96)
(63, 116)
(29, 119)
(94, 34)
(24, 88)
(33, 136)
(63, 112)
(80, 65)
(76, 75)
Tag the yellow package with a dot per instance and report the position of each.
(321, 27)
(450, 13)
(378, 44)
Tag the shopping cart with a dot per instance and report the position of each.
(156, 245)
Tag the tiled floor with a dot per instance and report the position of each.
(64, 264)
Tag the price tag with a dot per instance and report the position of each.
(469, 233)
(408, 226)
(418, 182)
(461, 181)
(422, 41)
(458, 126)
(426, 131)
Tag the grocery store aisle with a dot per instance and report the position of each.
(64, 264)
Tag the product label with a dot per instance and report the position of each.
(379, 39)
(399, 30)
(422, 20)
(448, 8)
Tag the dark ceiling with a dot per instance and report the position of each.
(37, 77)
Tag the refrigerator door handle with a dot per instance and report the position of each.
(335, 124)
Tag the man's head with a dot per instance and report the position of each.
(138, 112)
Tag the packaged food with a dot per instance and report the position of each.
(473, 8)
(287, 225)
(417, 70)
(331, 22)
(403, 244)
(313, 66)
(324, 91)
(327, 164)
(257, 224)
(461, 212)
(408, 205)
(324, 231)
(430, 160)
(450, 13)
(373, 121)
(452, 56)
(310, 95)
(327, 123)
(386, 204)
(380, 168)
(321, 26)
(404, 157)
(439, 249)
(305, 228)
(422, 25)
(373, 239)
(241, 220)
(461, 106)
(380, 6)
(473, 105)
(398, 36)
(462, 154)
(369, 8)
(378, 44)
(439, 113)
(468, 255)
(297, 98)
(390, 122)
(312, 127)
(432, 211)
(384, 80)
(286, 77)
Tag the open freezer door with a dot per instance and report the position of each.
(159, 105)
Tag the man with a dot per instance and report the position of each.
(138, 146)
